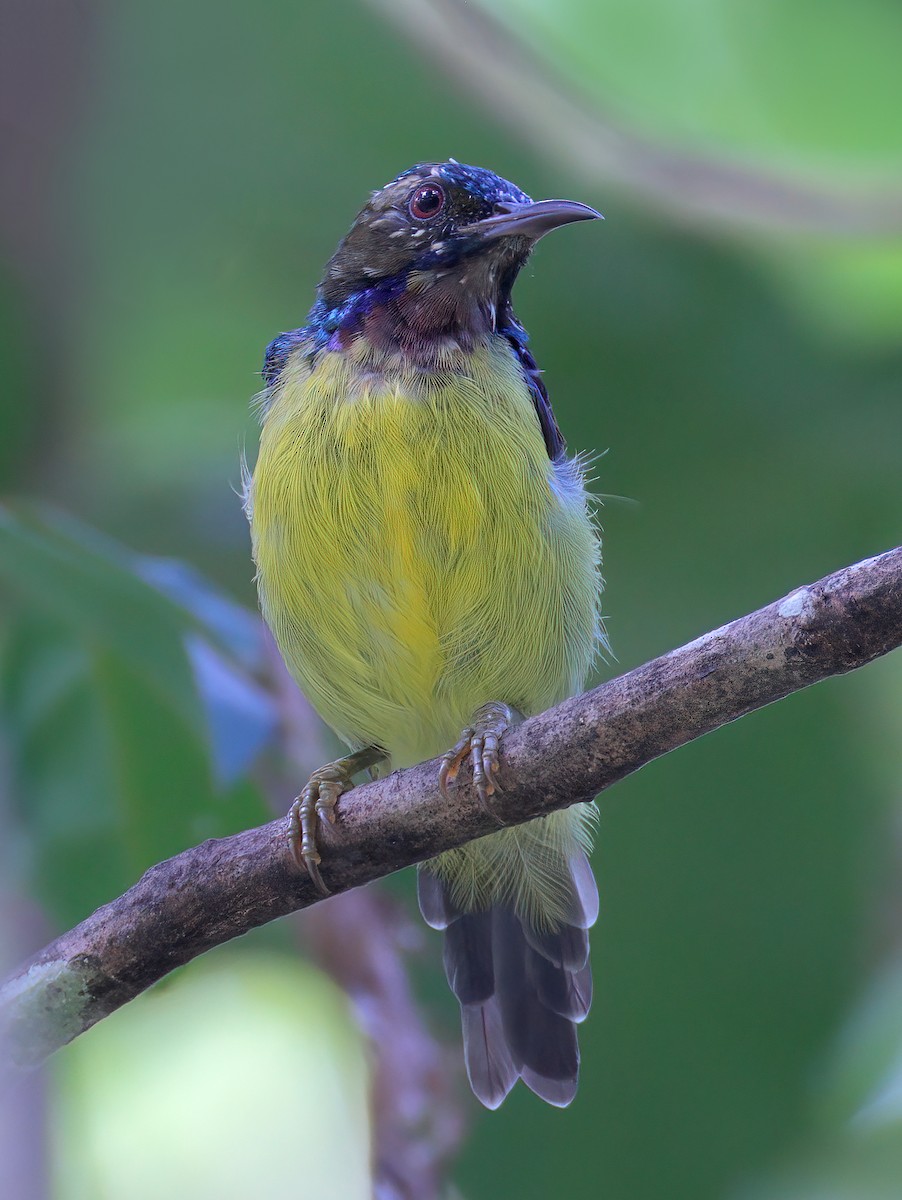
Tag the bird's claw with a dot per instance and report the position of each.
(479, 744)
(315, 804)
(453, 759)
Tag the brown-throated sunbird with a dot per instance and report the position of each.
(428, 564)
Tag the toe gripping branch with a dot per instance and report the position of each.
(316, 804)
(479, 743)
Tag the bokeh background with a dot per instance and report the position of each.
(729, 342)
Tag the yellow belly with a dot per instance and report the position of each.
(417, 553)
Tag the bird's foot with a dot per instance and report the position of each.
(316, 804)
(479, 743)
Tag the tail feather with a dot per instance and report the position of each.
(567, 993)
(558, 1092)
(468, 958)
(491, 1070)
(435, 901)
(522, 990)
(539, 1039)
(583, 908)
(567, 947)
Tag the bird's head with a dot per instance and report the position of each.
(435, 253)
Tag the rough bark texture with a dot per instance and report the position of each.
(223, 888)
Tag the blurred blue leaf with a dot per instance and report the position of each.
(59, 568)
(130, 715)
(242, 717)
(237, 630)
(160, 616)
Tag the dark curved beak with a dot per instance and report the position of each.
(532, 220)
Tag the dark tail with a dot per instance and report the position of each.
(522, 991)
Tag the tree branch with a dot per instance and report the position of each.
(523, 89)
(363, 939)
(223, 888)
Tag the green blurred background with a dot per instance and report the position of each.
(731, 339)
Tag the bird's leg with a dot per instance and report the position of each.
(317, 803)
(479, 743)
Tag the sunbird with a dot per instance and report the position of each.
(429, 566)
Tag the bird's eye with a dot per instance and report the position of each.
(427, 201)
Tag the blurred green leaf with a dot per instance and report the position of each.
(55, 566)
(175, 630)
(809, 86)
(836, 1170)
(107, 778)
(861, 1088)
(854, 1148)
(247, 1077)
(769, 119)
(851, 289)
(237, 630)
(129, 726)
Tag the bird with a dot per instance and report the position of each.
(428, 561)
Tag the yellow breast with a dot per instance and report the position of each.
(417, 552)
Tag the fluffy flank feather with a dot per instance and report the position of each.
(525, 867)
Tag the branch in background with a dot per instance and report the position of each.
(24, 1137)
(364, 940)
(521, 89)
(223, 888)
